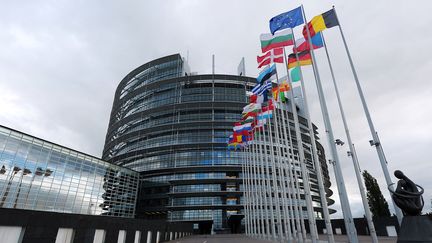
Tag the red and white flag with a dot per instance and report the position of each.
(272, 56)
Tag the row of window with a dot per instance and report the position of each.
(38, 175)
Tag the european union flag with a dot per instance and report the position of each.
(289, 19)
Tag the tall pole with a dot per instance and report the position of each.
(281, 179)
(352, 153)
(305, 172)
(348, 219)
(315, 157)
(269, 189)
(246, 192)
(298, 209)
(260, 223)
(245, 210)
(283, 174)
(375, 142)
(275, 182)
(262, 184)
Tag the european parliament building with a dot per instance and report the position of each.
(172, 126)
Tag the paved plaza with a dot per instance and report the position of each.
(229, 238)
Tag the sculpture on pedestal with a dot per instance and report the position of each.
(407, 195)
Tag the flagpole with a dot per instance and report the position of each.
(351, 152)
(269, 201)
(284, 206)
(376, 141)
(269, 190)
(346, 210)
(308, 197)
(260, 196)
(251, 232)
(275, 183)
(289, 220)
(264, 195)
(258, 199)
(295, 187)
(245, 191)
(264, 213)
(254, 196)
(315, 154)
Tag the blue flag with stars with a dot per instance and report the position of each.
(286, 20)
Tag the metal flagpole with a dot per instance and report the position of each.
(275, 182)
(284, 178)
(250, 199)
(375, 142)
(315, 156)
(314, 153)
(296, 201)
(269, 189)
(295, 189)
(308, 197)
(245, 161)
(281, 179)
(268, 206)
(246, 192)
(257, 197)
(300, 202)
(346, 210)
(253, 197)
(263, 204)
(351, 152)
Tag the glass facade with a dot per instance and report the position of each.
(39, 175)
(174, 131)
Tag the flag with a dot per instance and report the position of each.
(283, 91)
(256, 88)
(295, 74)
(275, 92)
(253, 98)
(321, 22)
(243, 127)
(252, 107)
(251, 113)
(265, 115)
(280, 39)
(265, 87)
(286, 20)
(304, 58)
(303, 45)
(272, 56)
(269, 73)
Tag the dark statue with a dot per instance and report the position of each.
(407, 195)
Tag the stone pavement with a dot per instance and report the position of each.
(239, 238)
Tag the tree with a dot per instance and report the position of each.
(377, 203)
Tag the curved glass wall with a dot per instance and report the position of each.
(174, 132)
(39, 175)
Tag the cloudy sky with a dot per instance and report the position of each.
(60, 62)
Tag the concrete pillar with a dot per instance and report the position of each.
(171, 236)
